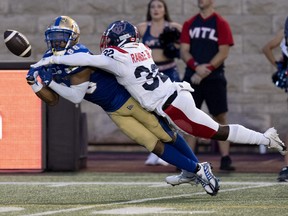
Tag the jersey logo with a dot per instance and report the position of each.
(204, 33)
(130, 107)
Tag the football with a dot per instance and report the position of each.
(17, 43)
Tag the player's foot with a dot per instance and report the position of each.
(226, 164)
(283, 175)
(184, 177)
(206, 178)
(275, 141)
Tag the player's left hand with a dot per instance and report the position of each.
(31, 76)
(46, 75)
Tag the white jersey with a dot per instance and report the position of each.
(134, 68)
(138, 73)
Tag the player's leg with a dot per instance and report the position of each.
(151, 123)
(185, 116)
(125, 119)
(215, 94)
(158, 126)
(198, 96)
(137, 132)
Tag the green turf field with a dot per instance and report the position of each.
(89, 193)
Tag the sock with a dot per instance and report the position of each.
(172, 156)
(240, 134)
(184, 148)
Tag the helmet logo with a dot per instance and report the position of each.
(119, 27)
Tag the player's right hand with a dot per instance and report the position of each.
(31, 76)
(46, 75)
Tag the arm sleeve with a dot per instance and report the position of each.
(85, 59)
(74, 93)
(224, 33)
(184, 38)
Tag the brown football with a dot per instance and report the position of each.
(17, 43)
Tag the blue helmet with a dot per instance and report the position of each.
(62, 34)
(119, 33)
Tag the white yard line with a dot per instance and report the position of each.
(249, 186)
(63, 184)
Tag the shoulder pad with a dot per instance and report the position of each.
(77, 48)
(47, 53)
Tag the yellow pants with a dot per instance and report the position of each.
(140, 125)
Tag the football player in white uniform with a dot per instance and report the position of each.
(132, 64)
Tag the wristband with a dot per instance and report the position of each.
(192, 64)
(36, 87)
(211, 67)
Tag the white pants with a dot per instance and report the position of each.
(185, 116)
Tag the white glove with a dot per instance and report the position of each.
(44, 61)
(185, 86)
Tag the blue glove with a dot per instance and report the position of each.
(46, 75)
(31, 76)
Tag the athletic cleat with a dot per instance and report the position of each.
(275, 141)
(283, 175)
(185, 177)
(206, 178)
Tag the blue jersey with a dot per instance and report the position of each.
(149, 40)
(103, 90)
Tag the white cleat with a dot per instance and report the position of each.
(206, 178)
(275, 141)
(185, 177)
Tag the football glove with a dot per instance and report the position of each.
(31, 76)
(46, 75)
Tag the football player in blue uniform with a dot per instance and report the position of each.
(101, 88)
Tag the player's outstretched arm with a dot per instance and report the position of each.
(77, 90)
(43, 92)
(77, 59)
